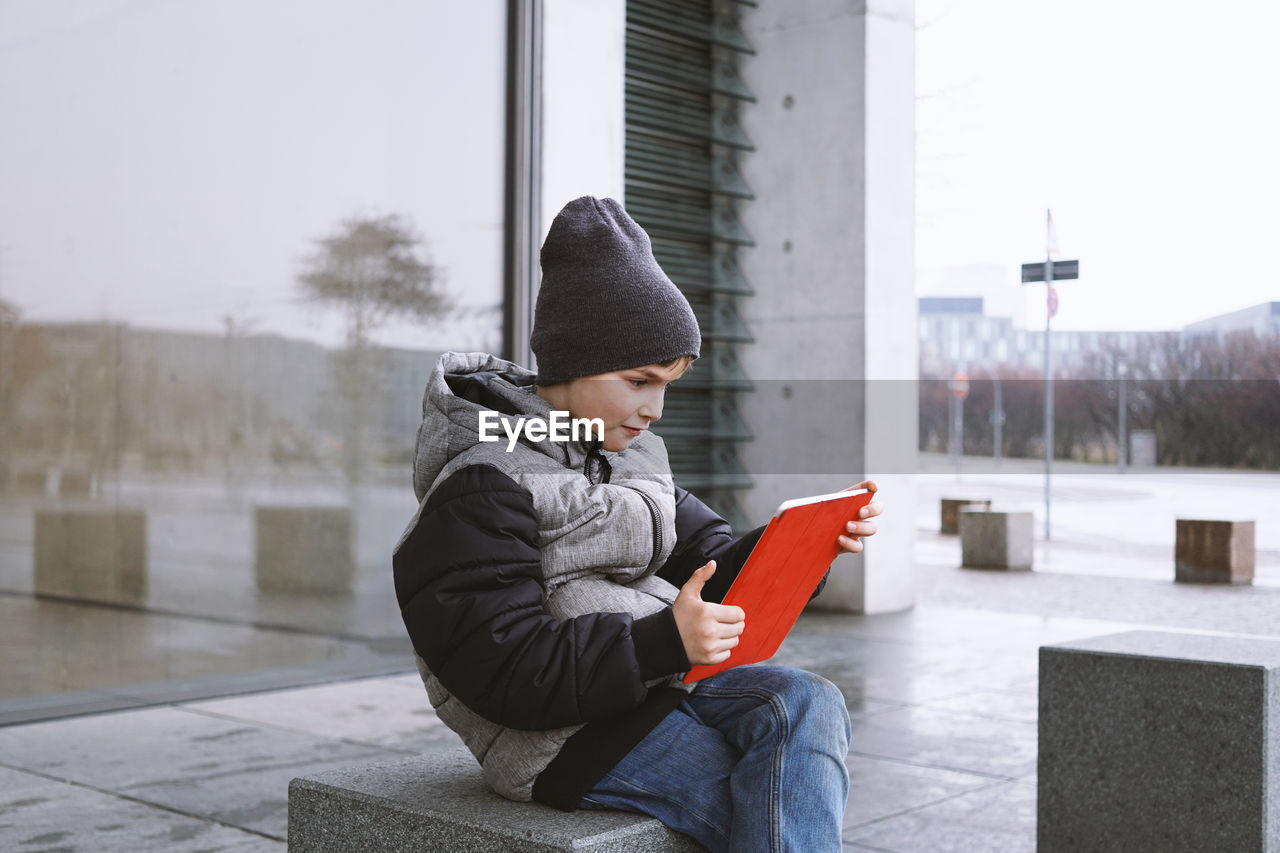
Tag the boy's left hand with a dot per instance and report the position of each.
(862, 525)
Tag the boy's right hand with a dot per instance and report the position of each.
(709, 631)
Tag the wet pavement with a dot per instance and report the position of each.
(202, 615)
(943, 697)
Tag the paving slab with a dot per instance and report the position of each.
(933, 737)
(881, 788)
(1000, 818)
(39, 814)
(375, 711)
(256, 799)
(118, 751)
(888, 668)
(941, 629)
(928, 684)
(224, 770)
(1020, 706)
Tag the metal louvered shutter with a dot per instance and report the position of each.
(683, 138)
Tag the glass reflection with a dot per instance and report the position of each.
(235, 238)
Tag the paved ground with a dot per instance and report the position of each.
(944, 697)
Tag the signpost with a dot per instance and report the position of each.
(1061, 270)
(1049, 272)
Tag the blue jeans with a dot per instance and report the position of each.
(752, 760)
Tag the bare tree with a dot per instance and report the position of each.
(374, 269)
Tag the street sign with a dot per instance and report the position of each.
(1061, 270)
(1053, 301)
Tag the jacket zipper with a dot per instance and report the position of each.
(657, 525)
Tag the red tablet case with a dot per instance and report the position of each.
(784, 568)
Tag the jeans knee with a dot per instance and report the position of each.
(815, 703)
(827, 701)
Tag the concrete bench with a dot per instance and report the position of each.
(1155, 741)
(97, 553)
(1214, 551)
(995, 540)
(439, 802)
(949, 521)
(303, 549)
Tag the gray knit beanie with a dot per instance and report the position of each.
(604, 303)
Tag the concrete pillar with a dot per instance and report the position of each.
(833, 268)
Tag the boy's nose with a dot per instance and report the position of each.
(652, 409)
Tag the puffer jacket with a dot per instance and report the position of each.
(536, 584)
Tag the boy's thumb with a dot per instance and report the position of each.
(693, 586)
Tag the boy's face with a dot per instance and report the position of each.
(626, 400)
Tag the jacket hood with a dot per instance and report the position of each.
(461, 386)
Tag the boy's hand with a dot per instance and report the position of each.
(860, 526)
(709, 631)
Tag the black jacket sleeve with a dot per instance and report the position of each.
(469, 584)
(702, 535)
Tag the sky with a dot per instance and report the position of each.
(171, 162)
(1150, 129)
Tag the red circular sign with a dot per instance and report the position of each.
(1053, 302)
(960, 386)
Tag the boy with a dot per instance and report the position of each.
(556, 591)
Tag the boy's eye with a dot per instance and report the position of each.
(637, 383)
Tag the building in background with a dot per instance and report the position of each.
(955, 333)
(1263, 320)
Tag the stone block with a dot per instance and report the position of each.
(93, 553)
(950, 515)
(439, 802)
(1142, 448)
(1214, 551)
(303, 549)
(1159, 742)
(75, 484)
(32, 482)
(995, 540)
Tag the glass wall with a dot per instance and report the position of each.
(234, 237)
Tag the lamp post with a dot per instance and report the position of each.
(1122, 440)
(959, 389)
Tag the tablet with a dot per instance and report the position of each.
(782, 572)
